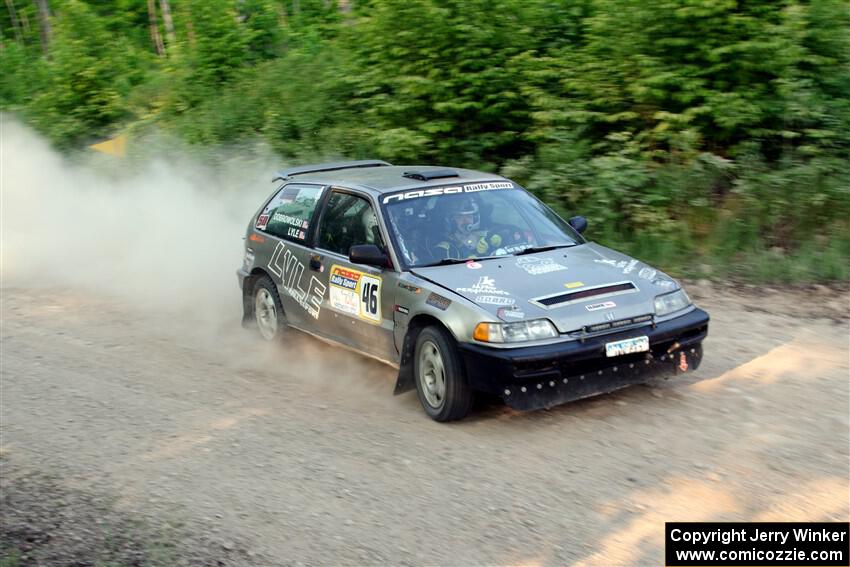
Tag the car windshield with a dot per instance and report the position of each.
(471, 223)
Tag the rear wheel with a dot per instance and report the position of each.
(440, 380)
(268, 311)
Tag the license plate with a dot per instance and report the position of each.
(627, 346)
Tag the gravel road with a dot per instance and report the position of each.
(299, 454)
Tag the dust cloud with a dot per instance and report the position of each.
(159, 237)
(165, 234)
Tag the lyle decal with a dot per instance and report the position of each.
(290, 271)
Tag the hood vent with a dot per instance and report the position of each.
(560, 299)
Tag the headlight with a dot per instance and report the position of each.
(671, 302)
(515, 332)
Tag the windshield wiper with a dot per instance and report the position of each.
(534, 249)
(448, 261)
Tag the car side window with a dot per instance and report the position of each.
(348, 220)
(289, 212)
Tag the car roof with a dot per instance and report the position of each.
(379, 177)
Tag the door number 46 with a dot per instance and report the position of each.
(370, 298)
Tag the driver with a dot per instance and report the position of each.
(463, 236)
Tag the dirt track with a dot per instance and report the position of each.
(300, 454)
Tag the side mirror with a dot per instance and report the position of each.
(579, 224)
(368, 254)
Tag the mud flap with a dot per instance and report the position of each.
(247, 305)
(246, 283)
(405, 381)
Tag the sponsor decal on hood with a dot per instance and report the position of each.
(485, 291)
(601, 305)
(536, 266)
(502, 282)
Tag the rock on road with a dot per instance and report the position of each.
(300, 454)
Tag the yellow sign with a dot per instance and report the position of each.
(116, 146)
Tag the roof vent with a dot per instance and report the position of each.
(334, 166)
(430, 175)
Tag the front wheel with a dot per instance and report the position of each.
(268, 311)
(440, 380)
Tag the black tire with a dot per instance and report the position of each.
(455, 401)
(266, 291)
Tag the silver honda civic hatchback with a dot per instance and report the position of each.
(464, 282)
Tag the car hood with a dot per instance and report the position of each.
(573, 287)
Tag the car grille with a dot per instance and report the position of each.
(619, 324)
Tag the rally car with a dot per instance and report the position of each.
(464, 282)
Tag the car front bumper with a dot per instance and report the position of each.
(544, 376)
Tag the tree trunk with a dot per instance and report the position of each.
(169, 22)
(44, 24)
(13, 14)
(155, 36)
(190, 28)
(25, 24)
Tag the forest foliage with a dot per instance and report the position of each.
(709, 136)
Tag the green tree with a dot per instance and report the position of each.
(89, 74)
(435, 83)
(214, 46)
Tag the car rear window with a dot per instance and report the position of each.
(289, 212)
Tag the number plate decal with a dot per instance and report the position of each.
(627, 346)
(370, 298)
(355, 293)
